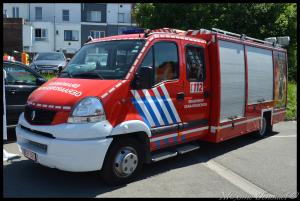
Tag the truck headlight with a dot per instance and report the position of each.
(88, 110)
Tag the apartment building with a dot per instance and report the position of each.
(66, 26)
(93, 21)
(101, 19)
(119, 18)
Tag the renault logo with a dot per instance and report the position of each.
(32, 115)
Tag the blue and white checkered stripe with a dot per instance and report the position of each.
(157, 110)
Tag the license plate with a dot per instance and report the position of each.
(29, 154)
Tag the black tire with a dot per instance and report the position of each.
(111, 170)
(265, 130)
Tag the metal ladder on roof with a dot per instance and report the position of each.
(241, 36)
(194, 33)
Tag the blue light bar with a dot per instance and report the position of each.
(133, 31)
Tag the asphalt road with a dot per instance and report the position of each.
(241, 167)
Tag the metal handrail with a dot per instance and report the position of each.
(240, 35)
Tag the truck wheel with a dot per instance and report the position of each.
(123, 162)
(265, 129)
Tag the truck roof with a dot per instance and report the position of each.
(118, 37)
(142, 36)
(191, 35)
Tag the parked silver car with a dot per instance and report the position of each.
(49, 62)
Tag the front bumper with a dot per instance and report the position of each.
(69, 154)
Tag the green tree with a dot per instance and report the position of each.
(256, 20)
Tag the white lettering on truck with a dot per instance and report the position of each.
(73, 92)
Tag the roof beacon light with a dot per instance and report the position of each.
(134, 31)
(284, 41)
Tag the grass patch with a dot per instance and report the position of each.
(48, 76)
(292, 101)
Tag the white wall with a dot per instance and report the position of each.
(43, 46)
(69, 46)
(74, 12)
(47, 11)
(28, 31)
(114, 8)
(23, 9)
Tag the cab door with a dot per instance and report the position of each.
(196, 87)
(160, 105)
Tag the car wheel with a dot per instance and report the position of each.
(123, 162)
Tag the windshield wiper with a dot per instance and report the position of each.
(89, 73)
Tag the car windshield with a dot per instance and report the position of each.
(104, 60)
(50, 56)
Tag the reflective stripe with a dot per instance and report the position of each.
(163, 106)
(165, 91)
(140, 111)
(153, 106)
(214, 128)
(163, 137)
(140, 102)
(169, 109)
(194, 130)
(150, 110)
(164, 118)
(176, 134)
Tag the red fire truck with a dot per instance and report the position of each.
(144, 96)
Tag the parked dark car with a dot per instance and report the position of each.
(49, 62)
(19, 83)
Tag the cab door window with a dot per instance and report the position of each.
(166, 61)
(195, 63)
(148, 59)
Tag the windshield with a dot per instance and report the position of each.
(50, 56)
(104, 60)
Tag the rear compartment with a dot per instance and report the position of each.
(249, 81)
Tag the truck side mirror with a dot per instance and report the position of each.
(144, 78)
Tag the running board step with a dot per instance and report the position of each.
(187, 148)
(163, 155)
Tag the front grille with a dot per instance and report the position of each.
(38, 132)
(39, 116)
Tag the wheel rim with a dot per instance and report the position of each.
(263, 127)
(126, 162)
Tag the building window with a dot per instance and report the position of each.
(15, 12)
(71, 35)
(38, 13)
(121, 17)
(93, 16)
(41, 34)
(97, 34)
(5, 13)
(65, 15)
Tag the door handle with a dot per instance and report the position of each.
(180, 96)
(206, 94)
